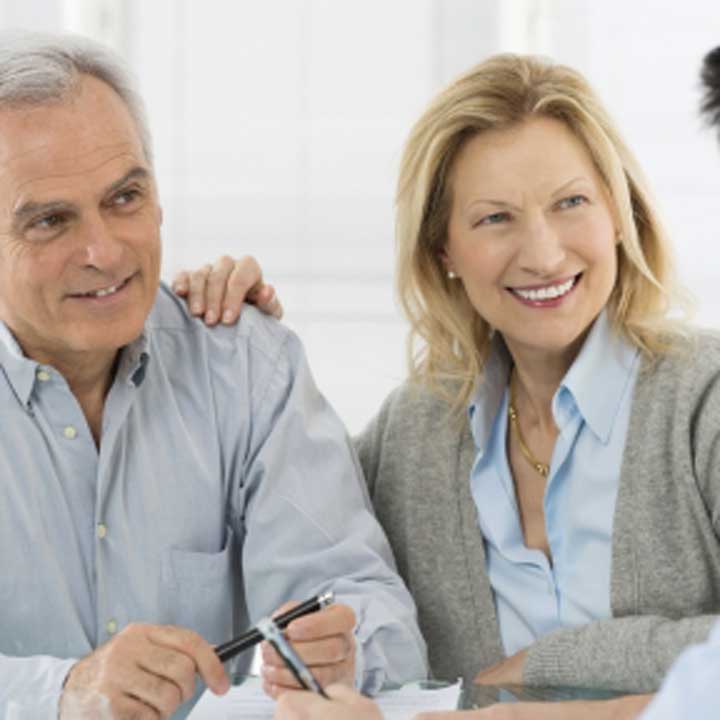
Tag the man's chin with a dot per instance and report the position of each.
(107, 339)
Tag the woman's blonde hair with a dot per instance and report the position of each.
(448, 339)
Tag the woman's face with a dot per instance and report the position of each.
(531, 235)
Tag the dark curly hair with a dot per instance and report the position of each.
(710, 77)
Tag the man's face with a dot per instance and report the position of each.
(79, 227)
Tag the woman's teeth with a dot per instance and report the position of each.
(550, 292)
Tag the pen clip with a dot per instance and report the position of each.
(272, 633)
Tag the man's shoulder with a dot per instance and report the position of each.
(254, 331)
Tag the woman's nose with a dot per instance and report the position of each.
(541, 250)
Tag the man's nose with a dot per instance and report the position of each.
(99, 245)
(541, 250)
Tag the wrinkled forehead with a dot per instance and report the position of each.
(540, 153)
(88, 134)
(68, 179)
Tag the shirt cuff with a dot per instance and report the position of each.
(370, 674)
(359, 664)
(43, 702)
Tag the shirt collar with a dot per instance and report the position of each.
(598, 378)
(134, 359)
(21, 371)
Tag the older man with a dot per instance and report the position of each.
(153, 470)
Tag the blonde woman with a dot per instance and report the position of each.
(549, 475)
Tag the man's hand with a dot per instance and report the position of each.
(507, 672)
(217, 292)
(625, 708)
(344, 703)
(326, 643)
(146, 671)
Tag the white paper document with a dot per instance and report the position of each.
(249, 702)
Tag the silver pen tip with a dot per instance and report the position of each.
(326, 599)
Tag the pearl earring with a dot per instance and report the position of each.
(451, 275)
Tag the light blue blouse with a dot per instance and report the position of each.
(592, 410)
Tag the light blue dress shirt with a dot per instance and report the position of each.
(592, 410)
(224, 486)
(691, 688)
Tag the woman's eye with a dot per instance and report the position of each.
(493, 218)
(572, 201)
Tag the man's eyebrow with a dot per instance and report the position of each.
(136, 173)
(32, 208)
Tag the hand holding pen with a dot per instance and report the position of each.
(324, 641)
(324, 645)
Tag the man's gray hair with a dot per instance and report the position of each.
(39, 69)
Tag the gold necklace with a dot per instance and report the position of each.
(542, 469)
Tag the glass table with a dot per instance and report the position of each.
(480, 696)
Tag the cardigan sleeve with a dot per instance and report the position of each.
(630, 654)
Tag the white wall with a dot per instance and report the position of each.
(279, 125)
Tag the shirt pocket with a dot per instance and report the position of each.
(200, 590)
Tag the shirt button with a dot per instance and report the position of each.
(111, 627)
(43, 375)
(70, 432)
(101, 530)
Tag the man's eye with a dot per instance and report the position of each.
(572, 201)
(46, 227)
(48, 222)
(126, 197)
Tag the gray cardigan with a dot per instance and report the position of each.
(665, 579)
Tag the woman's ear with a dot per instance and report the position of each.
(448, 265)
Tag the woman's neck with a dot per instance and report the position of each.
(535, 378)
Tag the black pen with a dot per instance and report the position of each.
(230, 649)
(272, 633)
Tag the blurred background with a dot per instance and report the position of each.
(278, 127)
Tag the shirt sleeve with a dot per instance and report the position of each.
(690, 689)
(309, 527)
(31, 686)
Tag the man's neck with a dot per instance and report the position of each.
(89, 376)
